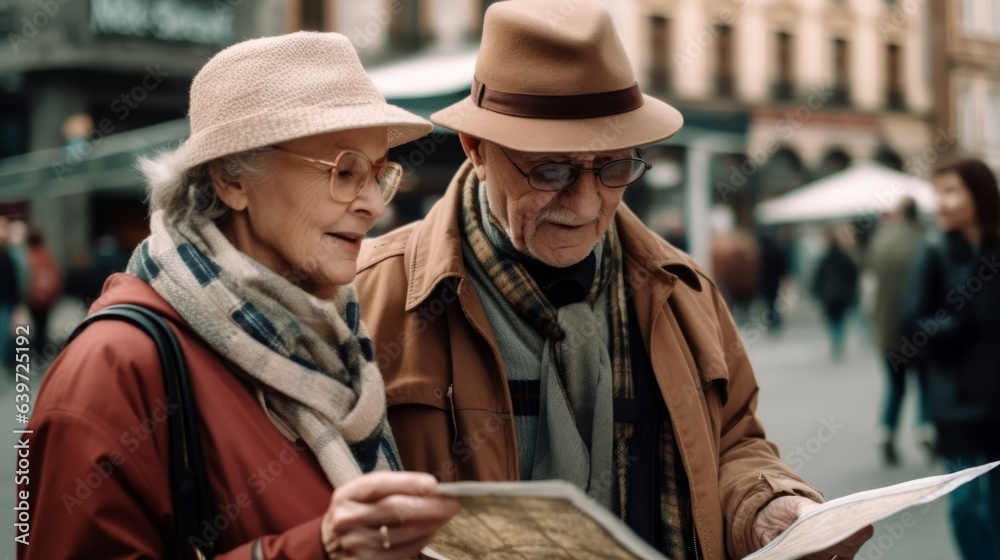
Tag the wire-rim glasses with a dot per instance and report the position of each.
(350, 172)
(553, 176)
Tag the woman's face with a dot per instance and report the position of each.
(293, 226)
(955, 207)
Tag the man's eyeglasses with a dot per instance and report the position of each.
(349, 175)
(557, 176)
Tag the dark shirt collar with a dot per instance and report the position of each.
(561, 286)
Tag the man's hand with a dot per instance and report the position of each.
(781, 512)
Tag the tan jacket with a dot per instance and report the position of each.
(448, 399)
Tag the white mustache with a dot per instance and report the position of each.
(564, 217)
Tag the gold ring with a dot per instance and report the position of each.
(384, 531)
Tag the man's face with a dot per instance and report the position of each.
(558, 228)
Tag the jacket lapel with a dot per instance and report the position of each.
(655, 271)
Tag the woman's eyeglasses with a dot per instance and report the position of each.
(350, 172)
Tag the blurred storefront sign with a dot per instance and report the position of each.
(164, 20)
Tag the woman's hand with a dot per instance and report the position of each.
(402, 502)
(781, 512)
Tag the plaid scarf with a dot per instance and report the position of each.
(523, 294)
(310, 359)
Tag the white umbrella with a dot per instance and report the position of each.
(427, 75)
(864, 189)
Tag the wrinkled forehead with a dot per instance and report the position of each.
(572, 156)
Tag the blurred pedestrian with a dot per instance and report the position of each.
(735, 266)
(952, 321)
(44, 286)
(773, 268)
(107, 259)
(90, 268)
(835, 285)
(10, 295)
(670, 226)
(17, 237)
(78, 130)
(80, 282)
(888, 259)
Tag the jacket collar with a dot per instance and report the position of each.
(434, 252)
(125, 288)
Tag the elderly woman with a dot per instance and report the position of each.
(256, 225)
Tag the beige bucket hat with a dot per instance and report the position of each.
(553, 76)
(264, 91)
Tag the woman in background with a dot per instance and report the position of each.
(953, 303)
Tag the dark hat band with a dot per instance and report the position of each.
(580, 106)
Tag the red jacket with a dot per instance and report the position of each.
(98, 479)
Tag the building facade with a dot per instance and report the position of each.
(85, 86)
(968, 64)
(774, 92)
(823, 82)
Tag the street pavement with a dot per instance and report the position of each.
(822, 415)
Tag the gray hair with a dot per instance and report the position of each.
(185, 193)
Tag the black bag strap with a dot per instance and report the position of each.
(189, 488)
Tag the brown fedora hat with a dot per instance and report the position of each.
(553, 76)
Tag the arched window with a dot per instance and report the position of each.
(835, 160)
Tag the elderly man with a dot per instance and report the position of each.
(531, 327)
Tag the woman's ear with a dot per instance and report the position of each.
(232, 193)
(473, 150)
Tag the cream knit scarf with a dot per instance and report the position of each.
(311, 359)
